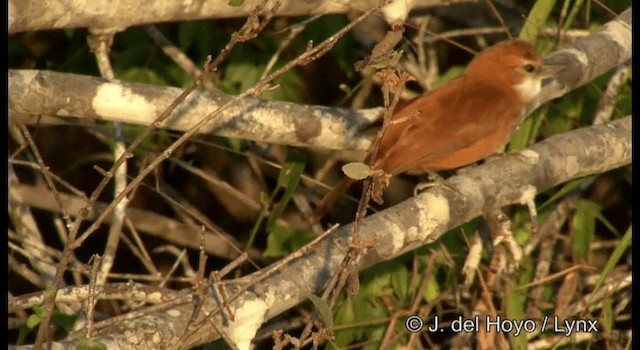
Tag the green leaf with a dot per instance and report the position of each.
(345, 314)
(290, 87)
(516, 304)
(234, 144)
(236, 2)
(572, 107)
(276, 241)
(607, 317)
(240, 76)
(283, 240)
(566, 188)
(433, 289)
(23, 332)
(33, 320)
(583, 226)
(615, 257)
(288, 180)
(377, 279)
(450, 74)
(400, 283)
(536, 19)
(63, 320)
(323, 309)
(202, 36)
(364, 310)
(520, 138)
(343, 52)
(88, 344)
(287, 183)
(141, 75)
(577, 5)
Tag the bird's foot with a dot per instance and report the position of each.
(434, 180)
(381, 180)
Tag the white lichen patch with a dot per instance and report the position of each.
(174, 313)
(528, 194)
(155, 297)
(433, 213)
(392, 236)
(530, 156)
(248, 318)
(26, 75)
(527, 198)
(618, 30)
(572, 166)
(122, 104)
(413, 233)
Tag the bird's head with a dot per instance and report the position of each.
(514, 64)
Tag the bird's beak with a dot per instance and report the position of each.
(551, 70)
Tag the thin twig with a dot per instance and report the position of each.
(119, 212)
(114, 291)
(26, 226)
(498, 16)
(180, 299)
(271, 270)
(295, 31)
(25, 271)
(201, 287)
(465, 32)
(218, 237)
(56, 178)
(179, 57)
(43, 331)
(139, 249)
(610, 95)
(181, 258)
(348, 268)
(215, 275)
(91, 299)
(245, 33)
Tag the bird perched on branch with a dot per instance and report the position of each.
(463, 120)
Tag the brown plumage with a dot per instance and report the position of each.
(462, 121)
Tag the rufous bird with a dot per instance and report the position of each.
(463, 120)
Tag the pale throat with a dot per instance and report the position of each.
(529, 88)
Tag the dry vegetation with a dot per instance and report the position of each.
(162, 176)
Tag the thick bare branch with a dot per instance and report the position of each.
(121, 14)
(61, 94)
(590, 57)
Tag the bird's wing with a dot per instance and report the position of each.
(406, 148)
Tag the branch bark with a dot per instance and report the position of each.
(121, 14)
(71, 95)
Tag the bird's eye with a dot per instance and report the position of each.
(529, 68)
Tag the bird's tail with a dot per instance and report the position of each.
(330, 199)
